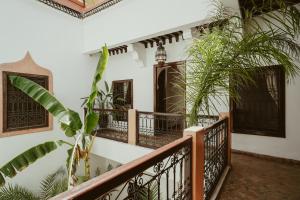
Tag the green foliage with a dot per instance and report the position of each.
(226, 56)
(54, 184)
(51, 186)
(69, 119)
(70, 123)
(16, 193)
(152, 193)
(97, 77)
(92, 118)
(28, 157)
(105, 99)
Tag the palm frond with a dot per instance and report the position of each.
(16, 192)
(149, 192)
(54, 184)
(226, 57)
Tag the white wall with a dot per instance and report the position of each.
(133, 20)
(57, 40)
(279, 147)
(123, 66)
(54, 40)
(287, 147)
(118, 151)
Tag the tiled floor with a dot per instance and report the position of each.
(253, 178)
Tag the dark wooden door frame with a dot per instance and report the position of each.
(155, 67)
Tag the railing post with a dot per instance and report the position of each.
(198, 158)
(132, 126)
(229, 137)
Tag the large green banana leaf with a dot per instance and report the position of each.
(92, 118)
(28, 157)
(70, 120)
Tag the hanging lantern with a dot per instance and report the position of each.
(161, 54)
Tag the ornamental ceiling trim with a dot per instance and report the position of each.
(77, 11)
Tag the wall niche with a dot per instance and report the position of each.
(19, 114)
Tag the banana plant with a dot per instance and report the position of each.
(70, 123)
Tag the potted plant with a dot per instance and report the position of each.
(104, 101)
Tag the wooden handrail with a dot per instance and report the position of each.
(109, 110)
(162, 114)
(100, 185)
(177, 115)
(156, 113)
(215, 124)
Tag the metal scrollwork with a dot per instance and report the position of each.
(216, 145)
(166, 179)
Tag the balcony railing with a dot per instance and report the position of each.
(113, 124)
(216, 155)
(190, 168)
(162, 174)
(147, 129)
(155, 130)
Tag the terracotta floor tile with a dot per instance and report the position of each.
(254, 178)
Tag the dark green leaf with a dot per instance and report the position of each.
(48, 101)
(106, 86)
(2, 181)
(28, 157)
(67, 129)
(70, 151)
(98, 76)
(8, 170)
(91, 122)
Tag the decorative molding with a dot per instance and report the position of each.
(118, 50)
(187, 34)
(100, 8)
(76, 13)
(163, 38)
(135, 55)
(62, 8)
(26, 66)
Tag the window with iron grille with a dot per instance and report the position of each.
(261, 107)
(123, 93)
(20, 111)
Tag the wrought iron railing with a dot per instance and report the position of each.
(158, 129)
(113, 124)
(153, 130)
(216, 155)
(163, 174)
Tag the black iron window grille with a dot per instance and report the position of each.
(20, 112)
(261, 108)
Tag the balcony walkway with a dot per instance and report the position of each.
(253, 178)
